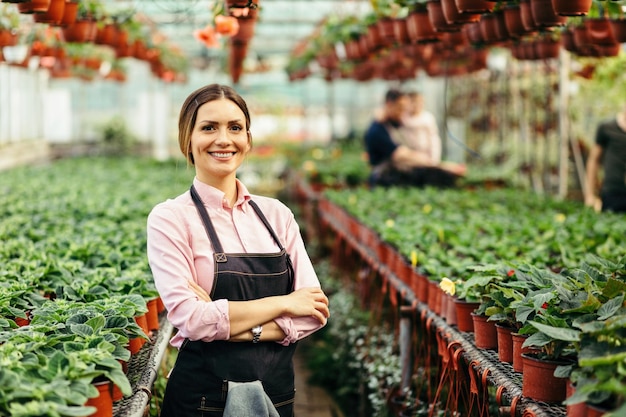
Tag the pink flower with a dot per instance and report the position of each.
(207, 36)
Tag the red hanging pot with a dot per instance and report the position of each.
(53, 15)
(513, 21)
(599, 31)
(69, 13)
(438, 20)
(544, 15)
(454, 16)
(419, 27)
(571, 7)
(528, 20)
(475, 6)
(618, 27)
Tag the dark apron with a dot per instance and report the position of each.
(198, 384)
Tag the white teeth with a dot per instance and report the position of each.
(222, 154)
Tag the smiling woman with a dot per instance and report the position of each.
(232, 271)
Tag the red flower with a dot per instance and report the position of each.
(207, 36)
(544, 306)
(510, 273)
(226, 25)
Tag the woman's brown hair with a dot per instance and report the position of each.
(189, 112)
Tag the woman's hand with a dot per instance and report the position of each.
(200, 292)
(306, 302)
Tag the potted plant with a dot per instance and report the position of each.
(9, 24)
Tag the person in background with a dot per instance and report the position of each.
(422, 132)
(608, 154)
(233, 273)
(392, 162)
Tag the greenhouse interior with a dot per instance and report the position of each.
(443, 183)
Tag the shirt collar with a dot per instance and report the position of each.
(211, 196)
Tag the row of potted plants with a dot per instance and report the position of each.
(398, 37)
(76, 294)
(121, 32)
(552, 271)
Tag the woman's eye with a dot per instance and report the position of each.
(207, 127)
(236, 127)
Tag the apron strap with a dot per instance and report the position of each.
(269, 227)
(208, 225)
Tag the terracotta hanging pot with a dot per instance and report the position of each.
(454, 16)
(581, 37)
(571, 7)
(53, 15)
(8, 38)
(419, 27)
(493, 28)
(438, 20)
(33, 6)
(544, 14)
(386, 31)
(80, 31)
(539, 382)
(547, 48)
(400, 31)
(526, 13)
(69, 13)
(513, 21)
(106, 35)
(353, 51)
(475, 6)
(567, 41)
(599, 31)
(618, 27)
(246, 30)
(238, 52)
(473, 33)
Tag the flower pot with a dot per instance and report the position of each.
(539, 382)
(527, 16)
(152, 316)
(618, 27)
(400, 31)
(422, 287)
(571, 7)
(80, 31)
(438, 20)
(485, 334)
(505, 343)
(434, 297)
(69, 13)
(473, 32)
(574, 410)
(593, 410)
(33, 6)
(547, 48)
(518, 340)
(475, 6)
(544, 15)
(160, 305)
(513, 21)
(454, 16)
(103, 402)
(450, 312)
(493, 28)
(419, 27)
(53, 15)
(599, 31)
(464, 310)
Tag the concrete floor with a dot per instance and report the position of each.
(311, 400)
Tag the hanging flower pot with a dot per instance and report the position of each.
(438, 20)
(353, 51)
(400, 31)
(386, 31)
(513, 21)
(475, 6)
(69, 13)
(599, 31)
(567, 41)
(106, 35)
(539, 382)
(8, 38)
(547, 48)
(544, 14)
(454, 16)
(419, 27)
(571, 7)
(473, 33)
(80, 31)
(528, 19)
(33, 6)
(618, 27)
(485, 334)
(53, 15)
(488, 28)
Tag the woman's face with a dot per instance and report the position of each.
(219, 140)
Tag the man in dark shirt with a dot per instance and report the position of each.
(396, 164)
(608, 154)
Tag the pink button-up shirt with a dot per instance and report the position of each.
(180, 250)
